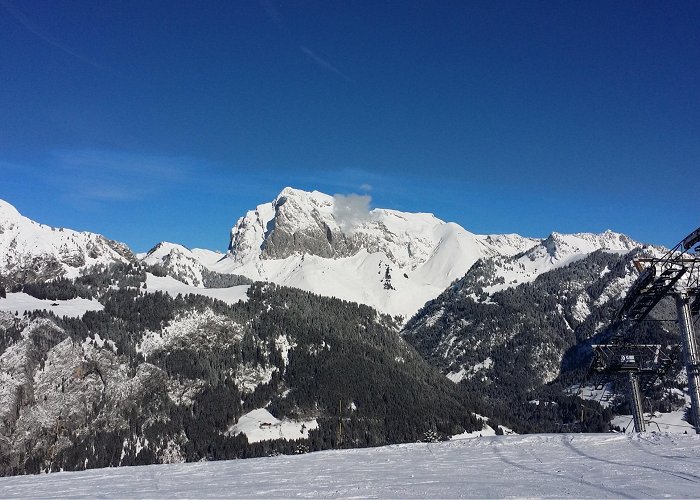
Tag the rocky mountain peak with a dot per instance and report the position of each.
(295, 221)
(559, 245)
(30, 251)
(313, 223)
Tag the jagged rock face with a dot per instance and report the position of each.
(53, 387)
(299, 222)
(34, 252)
(296, 229)
(295, 222)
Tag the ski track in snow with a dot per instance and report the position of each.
(563, 465)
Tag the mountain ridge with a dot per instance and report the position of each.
(391, 260)
(32, 251)
(394, 261)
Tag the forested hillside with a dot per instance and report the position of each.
(154, 378)
(516, 351)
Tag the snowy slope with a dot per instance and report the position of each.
(29, 250)
(74, 308)
(552, 466)
(260, 425)
(207, 257)
(173, 287)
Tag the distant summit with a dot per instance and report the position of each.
(30, 251)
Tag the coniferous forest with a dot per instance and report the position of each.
(154, 378)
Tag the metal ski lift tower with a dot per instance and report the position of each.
(642, 363)
(676, 274)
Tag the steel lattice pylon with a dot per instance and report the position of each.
(642, 363)
(675, 274)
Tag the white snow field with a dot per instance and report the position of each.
(173, 287)
(21, 302)
(562, 465)
(259, 425)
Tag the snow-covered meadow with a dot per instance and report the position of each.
(173, 287)
(21, 302)
(562, 465)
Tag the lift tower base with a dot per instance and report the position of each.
(690, 355)
(637, 411)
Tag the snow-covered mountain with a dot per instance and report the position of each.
(31, 251)
(555, 251)
(394, 261)
(188, 266)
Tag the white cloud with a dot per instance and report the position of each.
(351, 210)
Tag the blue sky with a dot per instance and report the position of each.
(150, 121)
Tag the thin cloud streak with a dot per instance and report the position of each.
(90, 179)
(323, 63)
(274, 14)
(108, 176)
(36, 30)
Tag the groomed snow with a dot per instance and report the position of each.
(553, 466)
(21, 302)
(173, 287)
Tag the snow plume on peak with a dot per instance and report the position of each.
(351, 210)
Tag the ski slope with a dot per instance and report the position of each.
(562, 465)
